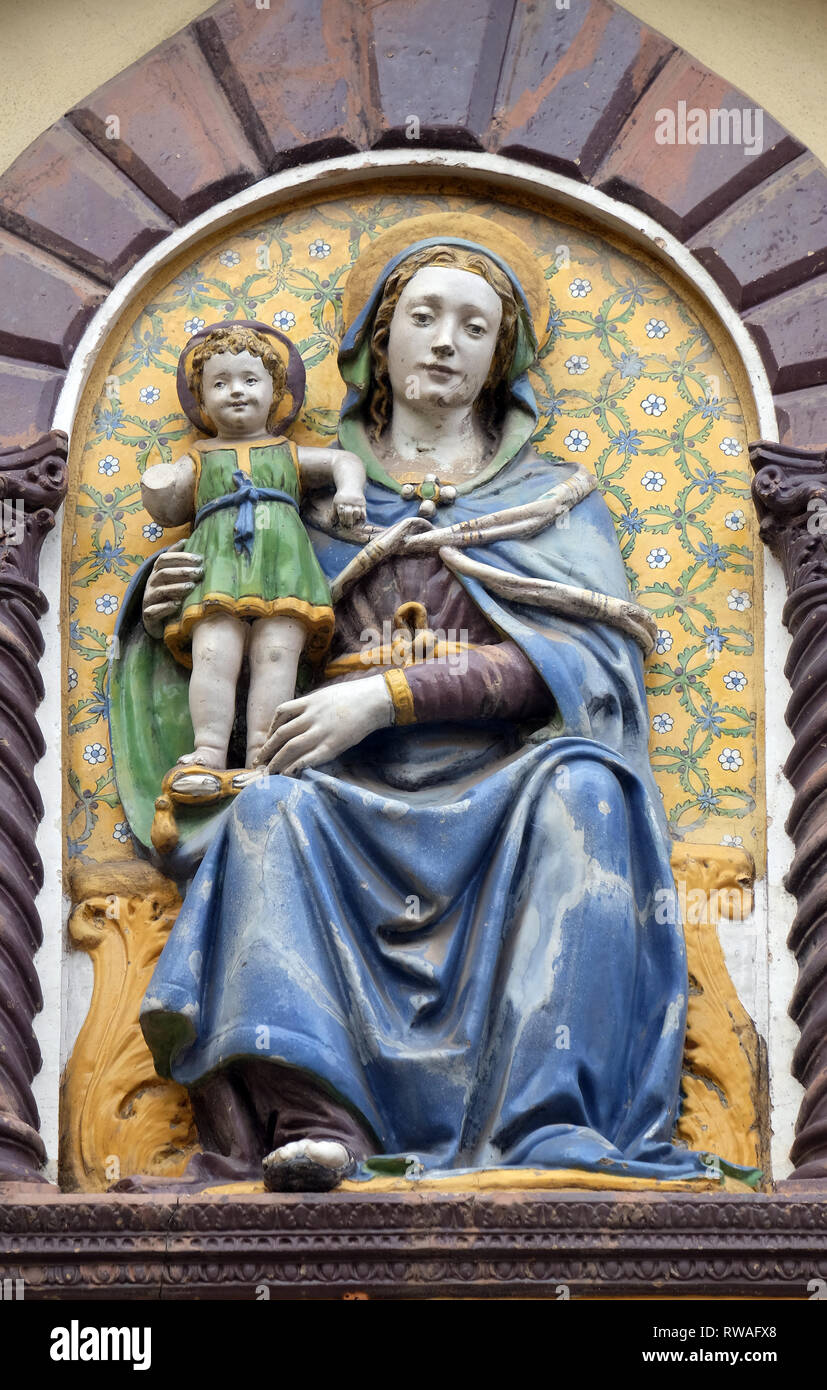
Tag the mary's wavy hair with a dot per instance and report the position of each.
(237, 340)
(493, 398)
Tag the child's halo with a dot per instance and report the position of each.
(293, 398)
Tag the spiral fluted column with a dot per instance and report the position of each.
(790, 493)
(32, 488)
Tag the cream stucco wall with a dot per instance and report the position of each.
(53, 52)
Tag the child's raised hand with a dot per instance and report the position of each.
(350, 507)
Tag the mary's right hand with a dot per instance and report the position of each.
(174, 575)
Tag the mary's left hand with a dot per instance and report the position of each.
(315, 728)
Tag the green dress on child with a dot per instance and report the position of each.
(258, 560)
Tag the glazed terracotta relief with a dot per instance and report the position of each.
(412, 721)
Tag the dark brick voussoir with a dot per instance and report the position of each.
(296, 75)
(28, 395)
(802, 417)
(685, 185)
(772, 239)
(178, 138)
(46, 305)
(791, 333)
(63, 196)
(435, 69)
(570, 80)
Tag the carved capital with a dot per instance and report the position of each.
(32, 487)
(37, 475)
(790, 492)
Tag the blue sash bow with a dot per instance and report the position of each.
(245, 498)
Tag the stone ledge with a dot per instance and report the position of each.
(419, 1246)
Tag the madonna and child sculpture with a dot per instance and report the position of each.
(424, 921)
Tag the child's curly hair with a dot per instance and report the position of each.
(493, 399)
(237, 340)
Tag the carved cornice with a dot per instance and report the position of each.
(337, 1246)
(790, 492)
(32, 487)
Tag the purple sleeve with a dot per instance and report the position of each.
(495, 681)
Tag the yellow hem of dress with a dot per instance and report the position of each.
(511, 1180)
(318, 618)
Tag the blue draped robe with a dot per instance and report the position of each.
(473, 946)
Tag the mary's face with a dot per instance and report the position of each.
(442, 338)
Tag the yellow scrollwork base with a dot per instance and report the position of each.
(118, 1116)
(724, 1068)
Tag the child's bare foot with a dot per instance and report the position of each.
(203, 757)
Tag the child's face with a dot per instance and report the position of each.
(238, 394)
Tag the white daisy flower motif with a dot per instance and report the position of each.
(194, 325)
(107, 466)
(121, 832)
(653, 481)
(735, 521)
(94, 753)
(107, 603)
(149, 395)
(284, 320)
(658, 558)
(577, 365)
(663, 641)
(229, 258)
(72, 677)
(152, 531)
(730, 447)
(735, 680)
(738, 600)
(662, 723)
(319, 249)
(577, 441)
(730, 759)
(653, 405)
(732, 841)
(656, 328)
(579, 288)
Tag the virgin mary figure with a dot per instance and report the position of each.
(440, 930)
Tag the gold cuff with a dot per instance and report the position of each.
(401, 695)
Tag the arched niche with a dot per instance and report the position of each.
(78, 209)
(641, 378)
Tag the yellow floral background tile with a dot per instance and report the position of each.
(629, 384)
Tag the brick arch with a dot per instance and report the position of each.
(222, 105)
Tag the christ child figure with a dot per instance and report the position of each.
(261, 589)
